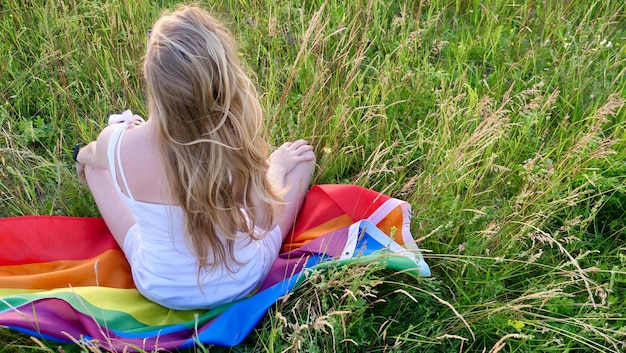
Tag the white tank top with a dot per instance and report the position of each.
(164, 269)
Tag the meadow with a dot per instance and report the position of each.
(501, 122)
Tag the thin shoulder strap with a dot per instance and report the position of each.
(114, 156)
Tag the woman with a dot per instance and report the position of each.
(190, 195)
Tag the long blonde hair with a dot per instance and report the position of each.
(211, 132)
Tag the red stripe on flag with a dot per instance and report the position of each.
(35, 239)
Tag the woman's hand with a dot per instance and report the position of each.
(85, 155)
(288, 156)
(80, 171)
(290, 171)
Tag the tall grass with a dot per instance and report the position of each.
(502, 123)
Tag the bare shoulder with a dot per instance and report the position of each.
(102, 145)
(142, 165)
(105, 134)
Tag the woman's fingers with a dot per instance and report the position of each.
(80, 171)
(307, 155)
(294, 144)
(298, 143)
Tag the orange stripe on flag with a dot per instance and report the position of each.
(109, 269)
(315, 232)
(392, 225)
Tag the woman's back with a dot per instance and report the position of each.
(163, 266)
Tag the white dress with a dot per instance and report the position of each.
(164, 269)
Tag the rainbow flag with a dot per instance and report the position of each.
(65, 278)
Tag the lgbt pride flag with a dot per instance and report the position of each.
(65, 278)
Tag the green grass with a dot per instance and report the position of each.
(501, 122)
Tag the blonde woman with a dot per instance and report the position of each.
(190, 194)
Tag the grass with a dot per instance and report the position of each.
(502, 123)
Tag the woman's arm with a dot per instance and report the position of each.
(87, 154)
(94, 154)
